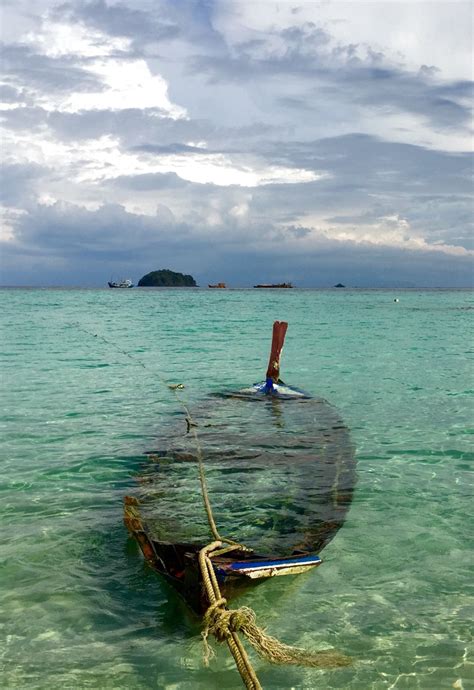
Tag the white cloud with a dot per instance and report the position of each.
(66, 39)
(102, 159)
(386, 231)
(126, 82)
(9, 216)
(239, 211)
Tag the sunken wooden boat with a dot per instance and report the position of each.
(280, 470)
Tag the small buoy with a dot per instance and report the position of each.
(396, 299)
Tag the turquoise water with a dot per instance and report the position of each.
(78, 607)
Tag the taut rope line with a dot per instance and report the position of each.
(191, 426)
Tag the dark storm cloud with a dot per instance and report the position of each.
(444, 218)
(369, 179)
(25, 118)
(169, 148)
(404, 91)
(115, 238)
(120, 20)
(17, 182)
(363, 169)
(456, 89)
(9, 94)
(51, 242)
(150, 181)
(133, 126)
(145, 130)
(363, 160)
(22, 65)
(73, 231)
(258, 58)
(166, 21)
(355, 265)
(339, 70)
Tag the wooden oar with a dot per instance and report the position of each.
(278, 338)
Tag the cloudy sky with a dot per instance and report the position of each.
(237, 140)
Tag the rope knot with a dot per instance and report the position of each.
(222, 622)
(242, 618)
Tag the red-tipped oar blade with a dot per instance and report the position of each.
(279, 332)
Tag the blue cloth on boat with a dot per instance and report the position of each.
(269, 388)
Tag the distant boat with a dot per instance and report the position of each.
(219, 285)
(125, 283)
(276, 285)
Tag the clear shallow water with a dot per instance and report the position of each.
(78, 607)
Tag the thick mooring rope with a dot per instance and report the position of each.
(225, 623)
(220, 621)
(217, 604)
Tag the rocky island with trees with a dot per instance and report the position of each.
(166, 278)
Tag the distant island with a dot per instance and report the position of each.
(166, 278)
(339, 285)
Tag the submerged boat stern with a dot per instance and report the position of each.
(179, 563)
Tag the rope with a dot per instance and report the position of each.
(220, 621)
(225, 623)
(227, 634)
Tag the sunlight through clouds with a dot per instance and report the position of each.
(124, 82)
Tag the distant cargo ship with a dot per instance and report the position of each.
(219, 285)
(276, 285)
(126, 283)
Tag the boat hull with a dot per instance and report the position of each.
(277, 285)
(120, 286)
(178, 563)
(281, 473)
